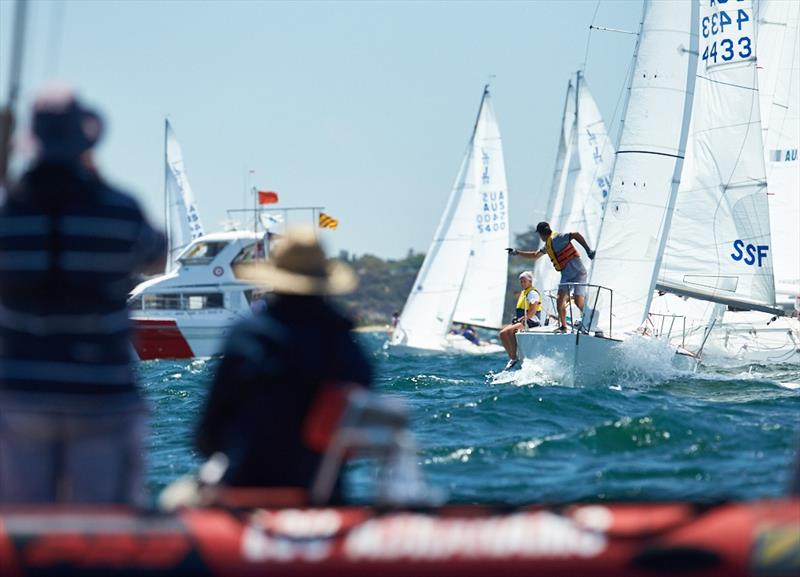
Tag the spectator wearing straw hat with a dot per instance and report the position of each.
(276, 365)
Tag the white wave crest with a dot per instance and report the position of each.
(537, 371)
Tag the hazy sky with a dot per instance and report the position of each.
(362, 107)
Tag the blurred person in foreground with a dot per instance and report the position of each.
(277, 368)
(71, 416)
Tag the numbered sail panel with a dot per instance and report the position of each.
(727, 32)
(720, 225)
(596, 156)
(471, 236)
(482, 296)
(183, 218)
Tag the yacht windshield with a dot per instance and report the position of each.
(202, 252)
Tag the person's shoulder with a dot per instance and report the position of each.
(116, 197)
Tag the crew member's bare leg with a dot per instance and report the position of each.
(507, 337)
(563, 301)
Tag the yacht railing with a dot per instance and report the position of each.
(662, 326)
(583, 326)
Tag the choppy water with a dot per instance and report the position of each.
(650, 433)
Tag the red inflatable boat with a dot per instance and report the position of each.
(758, 538)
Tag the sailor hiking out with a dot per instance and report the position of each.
(527, 313)
(566, 260)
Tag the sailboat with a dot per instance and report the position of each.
(581, 180)
(463, 277)
(637, 215)
(735, 227)
(182, 219)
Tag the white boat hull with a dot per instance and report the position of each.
(587, 359)
(746, 338)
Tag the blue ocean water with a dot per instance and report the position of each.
(650, 433)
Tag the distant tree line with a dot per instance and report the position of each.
(384, 284)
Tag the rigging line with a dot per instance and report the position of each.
(754, 89)
(589, 36)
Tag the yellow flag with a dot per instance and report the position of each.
(327, 221)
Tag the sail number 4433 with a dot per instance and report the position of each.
(726, 31)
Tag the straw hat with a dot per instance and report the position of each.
(298, 266)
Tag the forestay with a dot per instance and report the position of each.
(719, 246)
(429, 309)
(483, 290)
(182, 219)
(648, 163)
(778, 47)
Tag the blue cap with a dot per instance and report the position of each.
(62, 126)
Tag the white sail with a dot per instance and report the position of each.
(648, 163)
(546, 277)
(583, 174)
(481, 301)
(596, 156)
(428, 312)
(183, 221)
(778, 46)
(719, 246)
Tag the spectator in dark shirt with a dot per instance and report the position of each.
(71, 416)
(277, 364)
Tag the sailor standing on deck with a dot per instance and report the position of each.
(565, 259)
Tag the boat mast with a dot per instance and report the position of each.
(167, 226)
(7, 114)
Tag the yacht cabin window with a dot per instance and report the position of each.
(202, 252)
(178, 302)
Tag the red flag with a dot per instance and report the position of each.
(267, 197)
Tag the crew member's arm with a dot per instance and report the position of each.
(531, 254)
(582, 241)
(530, 313)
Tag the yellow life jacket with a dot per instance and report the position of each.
(522, 301)
(565, 255)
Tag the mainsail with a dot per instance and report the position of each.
(648, 164)
(483, 289)
(182, 219)
(457, 247)
(719, 246)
